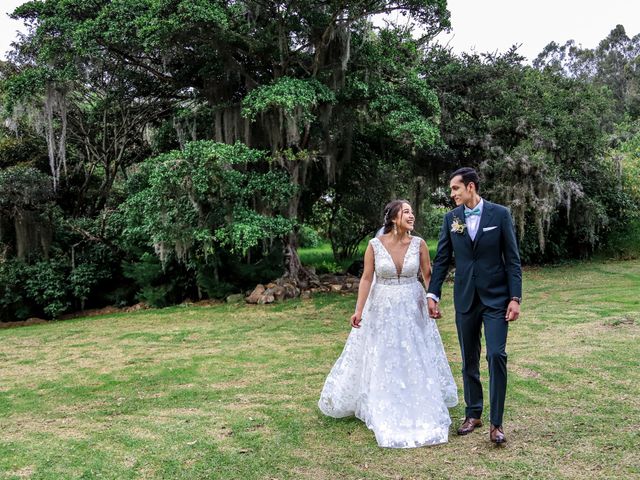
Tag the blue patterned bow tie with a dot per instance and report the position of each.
(469, 213)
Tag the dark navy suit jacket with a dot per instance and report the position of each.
(488, 266)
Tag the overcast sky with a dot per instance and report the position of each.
(494, 25)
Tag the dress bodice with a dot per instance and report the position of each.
(386, 269)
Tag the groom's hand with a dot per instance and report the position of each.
(434, 311)
(513, 311)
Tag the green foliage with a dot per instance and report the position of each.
(46, 284)
(197, 201)
(13, 305)
(352, 210)
(83, 279)
(26, 149)
(133, 70)
(539, 141)
(627, 152)
(31, 290)
(289, 95)
(24, 188)
(158, 285)
(395, 125)
(308, 237)
(347, 229)
(248, 228)
(352, 115)
(613, 64)
(395, 101)
(407, 111)
(624, 241)
(144, 272)
(25, 85)
(430, 220)
(328, 266)
(212, 286)
(46, 288)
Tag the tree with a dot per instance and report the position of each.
(92, 112)
(614, 63)
(282, 64)
(539, 140)
(26, 202)
(210, 198)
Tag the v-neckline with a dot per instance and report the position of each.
(404, 257)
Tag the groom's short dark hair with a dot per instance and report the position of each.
(469, 175)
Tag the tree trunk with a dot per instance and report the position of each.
(417, 200)
(295, 272)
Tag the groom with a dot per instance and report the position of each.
(479, 236)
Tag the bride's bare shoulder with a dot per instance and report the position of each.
(420, 241)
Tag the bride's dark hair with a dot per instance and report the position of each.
(390, 213)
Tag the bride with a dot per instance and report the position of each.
(393, 373)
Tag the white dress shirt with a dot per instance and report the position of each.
(473, 221)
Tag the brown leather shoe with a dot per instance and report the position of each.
(469, 425)
(496, 434)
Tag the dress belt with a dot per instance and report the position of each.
(396, 280)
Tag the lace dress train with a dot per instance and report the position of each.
(393, 373)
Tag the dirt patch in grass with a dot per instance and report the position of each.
(312, 473)
(219, 432)
(17, 428)
(246, 407)
(523, 372)
(179, 412)
(629, 320)
(25, 323)
(78, 408)
(24, 472)
(240, 383)
(141, 433)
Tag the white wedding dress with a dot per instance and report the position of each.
(393, 373)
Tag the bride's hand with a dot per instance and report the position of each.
(356, 318)
(434, 310)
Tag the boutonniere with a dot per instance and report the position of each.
(458, 226)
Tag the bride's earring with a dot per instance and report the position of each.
(395, 229)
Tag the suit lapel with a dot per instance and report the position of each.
(459, 212)
(485, 219)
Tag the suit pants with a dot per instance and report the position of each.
(469, 326)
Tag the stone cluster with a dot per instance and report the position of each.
(283, 289)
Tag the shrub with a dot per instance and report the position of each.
(431, 220)
(13, 302)
(308, 237)
(328, 266)
(159, 285)
(46, 284)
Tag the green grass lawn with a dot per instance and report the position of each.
(321, 257)
(230, 392)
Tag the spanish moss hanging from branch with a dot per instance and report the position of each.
(55, 130)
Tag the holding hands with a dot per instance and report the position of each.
(434, 310)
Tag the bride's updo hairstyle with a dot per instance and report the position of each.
(390, 213)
